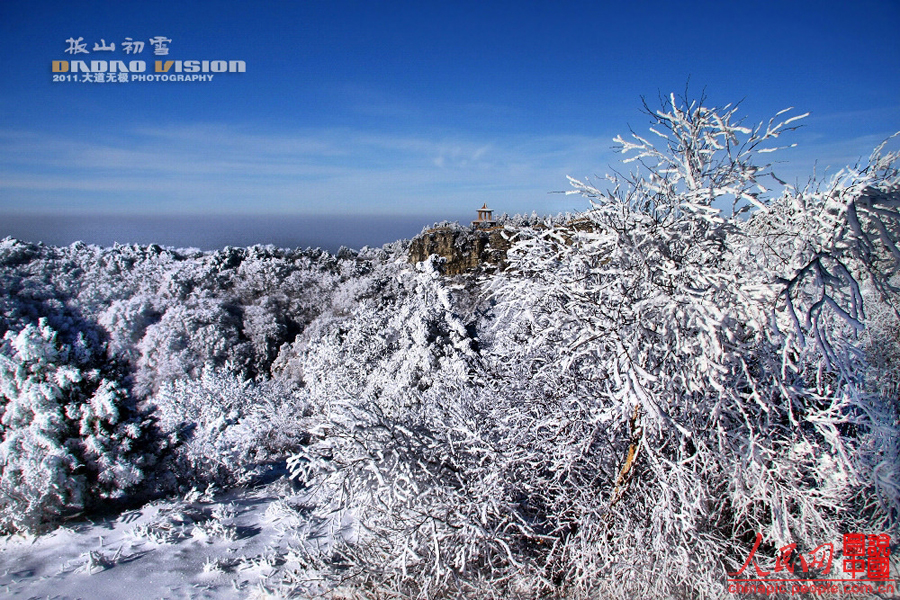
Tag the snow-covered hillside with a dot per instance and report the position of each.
(644, 388)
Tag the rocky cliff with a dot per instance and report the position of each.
(464, 249)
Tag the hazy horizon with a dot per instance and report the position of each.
(212, 232)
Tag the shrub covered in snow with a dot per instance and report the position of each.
(661, 380)
(220, 428)
(68, 430)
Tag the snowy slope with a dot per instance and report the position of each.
(228, 546)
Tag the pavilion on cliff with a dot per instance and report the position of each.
(485, 217)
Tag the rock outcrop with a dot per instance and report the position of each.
(464, 249)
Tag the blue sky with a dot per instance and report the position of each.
(419, 108)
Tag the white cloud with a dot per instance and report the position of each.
(232, 168)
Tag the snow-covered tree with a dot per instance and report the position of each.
(68, 432)
(662, 404)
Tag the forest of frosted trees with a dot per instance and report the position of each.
(703, 355)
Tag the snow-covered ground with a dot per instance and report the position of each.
(236, 544)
